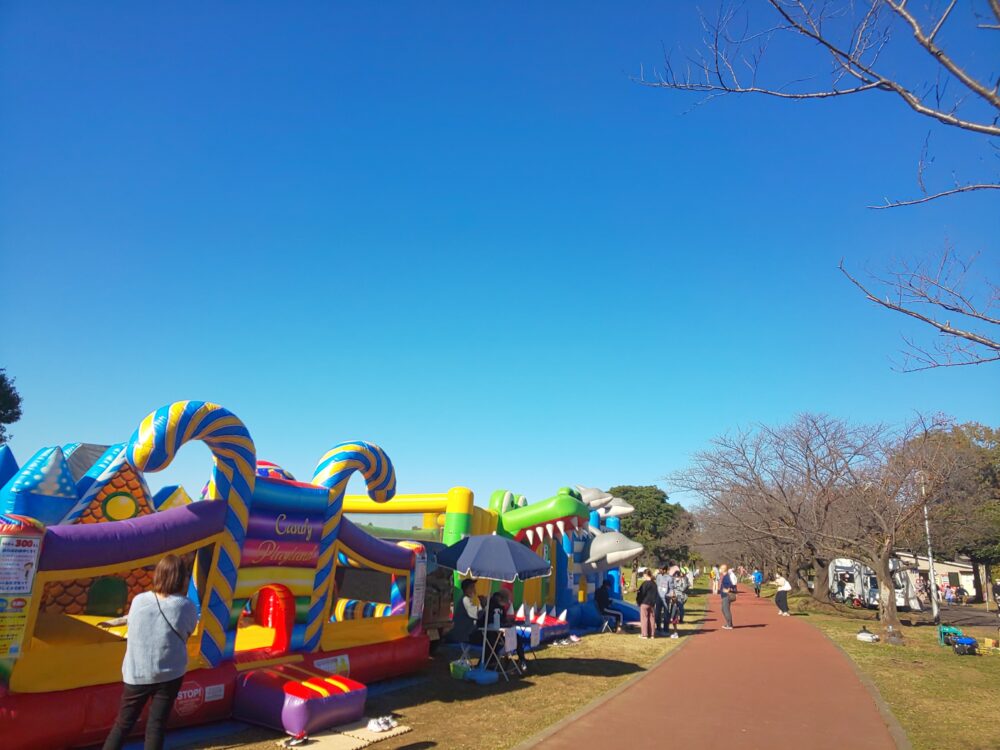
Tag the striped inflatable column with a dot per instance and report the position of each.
(564, 572)
(333, 472)
(153, 446)
(615, 524)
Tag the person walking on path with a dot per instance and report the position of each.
(646, 598)
(727, 590)
(159, 624)
(758, 579)
(713, 575)
(781, 598)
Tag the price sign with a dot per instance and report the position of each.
(18, 563)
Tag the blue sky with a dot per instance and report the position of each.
(461, 233)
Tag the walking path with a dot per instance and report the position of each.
(773, 682)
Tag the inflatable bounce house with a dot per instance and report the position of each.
(579, 533)
(298, 605)
(577, 530)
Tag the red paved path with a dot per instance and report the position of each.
(780, 682)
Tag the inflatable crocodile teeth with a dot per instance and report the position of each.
(553, 518)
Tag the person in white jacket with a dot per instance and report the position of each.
(781, 598)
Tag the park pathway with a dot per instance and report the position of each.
(773, 683)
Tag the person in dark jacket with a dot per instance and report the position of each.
(501, 610)
(727, 590)
(602, 598)
(646, 598)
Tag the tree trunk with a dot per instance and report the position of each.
(887, 612)
(799, 576)
(988, 586)
(821, 580)
(977, 581)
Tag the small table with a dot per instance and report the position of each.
(495, 642)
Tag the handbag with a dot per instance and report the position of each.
(169, 624)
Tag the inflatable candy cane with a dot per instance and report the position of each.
(333, 472)
(153, 446)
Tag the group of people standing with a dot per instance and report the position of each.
(725, 582)
(661, 598)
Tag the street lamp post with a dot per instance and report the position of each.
(935, 610)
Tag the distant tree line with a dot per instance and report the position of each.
(10, 405)
(665, 529)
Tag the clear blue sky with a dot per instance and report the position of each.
(461, 233)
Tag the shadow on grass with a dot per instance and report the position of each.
(587, 667)
(443, 688)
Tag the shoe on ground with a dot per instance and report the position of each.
(727, 627)
(673, 635)
(389, 722)
(375, 725)
(575, 638)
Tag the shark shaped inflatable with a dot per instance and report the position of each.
(610, 549)
(617, 508)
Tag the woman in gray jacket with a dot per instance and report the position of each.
(159, 623)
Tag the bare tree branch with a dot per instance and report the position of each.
(927, 42)
(941, 289)
(927, 198)
(854, 53)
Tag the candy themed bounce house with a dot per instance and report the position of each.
(299, 607)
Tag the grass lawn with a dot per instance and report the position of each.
(942, 700)
(446, 713)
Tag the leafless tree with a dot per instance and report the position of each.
(782, 487)
(815, 489)
(845, 48)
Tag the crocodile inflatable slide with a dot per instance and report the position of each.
(578, 530)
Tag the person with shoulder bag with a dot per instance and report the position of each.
(159, 624)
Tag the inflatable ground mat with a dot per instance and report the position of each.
(298, 700)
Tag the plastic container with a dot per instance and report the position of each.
(482, 676)
(459, 669)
